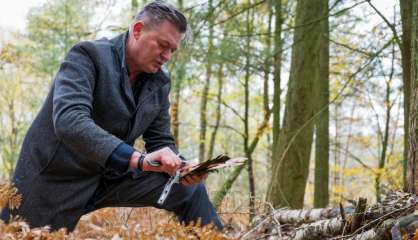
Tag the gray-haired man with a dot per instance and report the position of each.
(77, 155)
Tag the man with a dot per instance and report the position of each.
(77, 155)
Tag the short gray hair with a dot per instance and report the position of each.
(158, 11)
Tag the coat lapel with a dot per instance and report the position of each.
(126, 88)
(153, 83)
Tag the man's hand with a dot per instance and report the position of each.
(169, 161)
(193, 179)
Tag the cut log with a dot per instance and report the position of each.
(392, 217)
(320, 229)
(310, 215)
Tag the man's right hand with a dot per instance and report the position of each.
(169, 161)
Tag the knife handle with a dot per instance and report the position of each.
(157, 164)
(154, 163)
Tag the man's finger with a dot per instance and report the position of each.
(184, 181)
(187, 168)
(190, 180)
(193, 178)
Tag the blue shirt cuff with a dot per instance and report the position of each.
(119, 159)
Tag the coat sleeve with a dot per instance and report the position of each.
(72, 107)
(158, 134)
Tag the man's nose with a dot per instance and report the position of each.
(166, 55)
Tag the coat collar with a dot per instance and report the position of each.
(119, 42)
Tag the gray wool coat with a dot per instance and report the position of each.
(89, 111)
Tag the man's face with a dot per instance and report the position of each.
(153, 47)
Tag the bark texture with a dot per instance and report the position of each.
(406, 16)
(412, 174)
(291, 163)
(321, 184)
(205, 92)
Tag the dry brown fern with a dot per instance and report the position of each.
(143, 223)
(108, 223)
(9, 196)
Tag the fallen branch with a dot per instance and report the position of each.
(310, 215)
(395, 212)
(320, 229)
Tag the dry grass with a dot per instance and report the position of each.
(9, 196)
(126, 223)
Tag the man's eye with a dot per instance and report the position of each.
(163, 45)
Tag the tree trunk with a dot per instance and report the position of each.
(277, 73)
(205, 93)
(250, 170)
(406, 16)
(291, 163)
(175, 106)
(385, 134)
(13, 140)
(412, 173)
(174, 112)
(218, 112)
(276, 79)
(321, 184)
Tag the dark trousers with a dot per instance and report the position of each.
(142, 189)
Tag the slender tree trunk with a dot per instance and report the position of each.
(412, 173)
(346, 152)
(321, 196)
(277, 72)
(276, 80)
(220, 194)
(218, 112)
(205, 93)
(335, 175)
(406, 16)
(267, 68)
(385, 135)
(175, 107)
(250, 169)
(13, 139)
(291, 165)
(223, 190)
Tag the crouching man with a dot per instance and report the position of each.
(77, 156)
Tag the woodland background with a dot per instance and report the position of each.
(315, 93)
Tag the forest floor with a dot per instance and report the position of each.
(396, 217)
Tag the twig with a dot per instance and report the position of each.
(391, 26)
(254, 228)
(358, 216)
(279, 230)
(343, 218)
(127, 217)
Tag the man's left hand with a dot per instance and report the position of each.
(192, 179)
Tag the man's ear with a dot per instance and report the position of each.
(137, 29)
